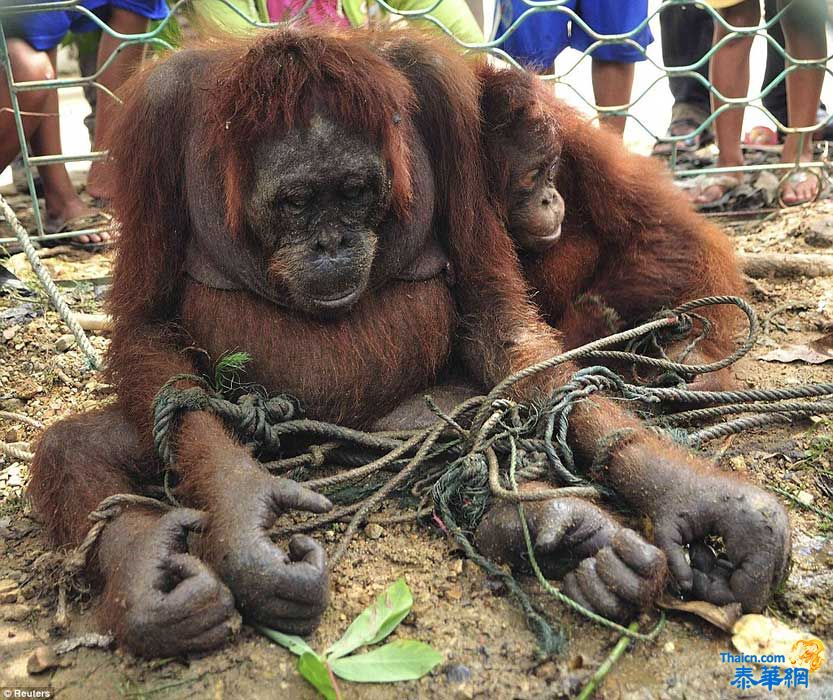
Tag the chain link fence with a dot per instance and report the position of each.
(452, 17)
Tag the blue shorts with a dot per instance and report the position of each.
(45, 30)
(540, 37)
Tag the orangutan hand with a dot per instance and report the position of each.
(614, 571)
(160, 600)
(690, 502)
(283, 590)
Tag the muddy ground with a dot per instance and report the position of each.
(489, 653)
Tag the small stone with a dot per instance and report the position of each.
(374, 531)
(44, 659)
(820, 234)
(546, 670)
(805, 498)
(15, 613)
(456, 567)
(669, 648)
(457, 673)
(8, 597)
(738, 463)
(464, 692)
(9, 333)
(27, 389)
(13, 405)
(65, 342)
(454, 592)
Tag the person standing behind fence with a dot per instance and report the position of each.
(540, 37)
(33, 42)
(803, 24)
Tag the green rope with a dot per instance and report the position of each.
(459, 464)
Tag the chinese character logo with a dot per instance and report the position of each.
(808, 653)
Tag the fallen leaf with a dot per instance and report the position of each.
(815, 353)
(723, 617)
(758, 634)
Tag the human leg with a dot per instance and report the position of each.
(805, 38)
(730, 77)
(612, 84)
(120, 68)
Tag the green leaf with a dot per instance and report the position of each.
(311, 667)
(402, 660)
(375, 622)
(295, 644)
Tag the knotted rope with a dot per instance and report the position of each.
(483, 448)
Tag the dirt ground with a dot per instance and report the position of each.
(488, 651)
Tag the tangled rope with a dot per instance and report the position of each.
(485, 447)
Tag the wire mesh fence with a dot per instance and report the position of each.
(453, 18)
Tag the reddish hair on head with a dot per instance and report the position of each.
(279, 80)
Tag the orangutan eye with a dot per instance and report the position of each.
(553, 170)
(295, 203)
(527, 181)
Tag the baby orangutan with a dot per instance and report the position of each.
(626, 244)
(606, 242)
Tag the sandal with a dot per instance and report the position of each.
(681, 127)
(798, 177)
(726, 183)
(97, 219)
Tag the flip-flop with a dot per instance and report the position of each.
(679, 127)
(97, 219)
(726, 181)
(796, 177)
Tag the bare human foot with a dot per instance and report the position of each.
(712, 189)
(75, 214)
(801, 185)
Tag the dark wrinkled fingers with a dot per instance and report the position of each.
(712, 587)
(758, 543)
(594, 590)
(669, 539)
(290, 495)
(215, 637)
(303, 583)
(640, 555)
(303, 548)
(550, 536)
(623, 581)
(570, 587)
(572, 524)
(200, 586)
(301, 626)
(702, 557)
(176, 525)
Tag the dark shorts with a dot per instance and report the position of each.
(45, 30)
(540, 37)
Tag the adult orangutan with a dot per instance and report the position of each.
(305, 209)
(625, 246)
(302, 209)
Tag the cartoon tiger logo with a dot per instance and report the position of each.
(808, 653)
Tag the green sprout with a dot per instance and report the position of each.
(402, 660)
(228, 369)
